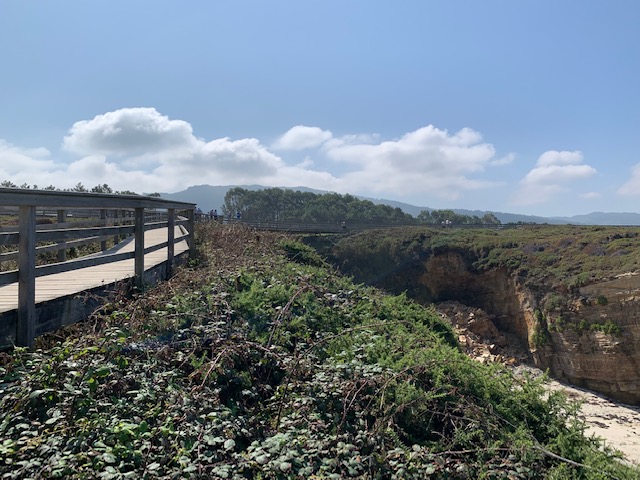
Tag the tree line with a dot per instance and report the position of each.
(283, 205)
(79, 187)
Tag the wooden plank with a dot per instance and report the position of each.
(62, 253)
(170, 240)
(70, 233)
(74, 282)
(13, 197)
(139, 247)
(25, 333)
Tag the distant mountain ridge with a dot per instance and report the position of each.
(209, 197)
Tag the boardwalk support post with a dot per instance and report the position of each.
(171, 235)
(192, 233)
(25, 333)
(139, 246)
(103, 217)
(62, 253)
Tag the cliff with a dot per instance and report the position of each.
(592, 341)
(588, 336)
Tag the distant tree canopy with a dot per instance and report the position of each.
(79, 187)
(280, 205)
(449, 217)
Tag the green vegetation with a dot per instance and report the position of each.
(562, 257)
(263, 362)
(449, 217)
(280, 205)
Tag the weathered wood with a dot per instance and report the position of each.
(70, 233)
(9, 238)
(55, 247)
(64, 283)
(103, 217)
(54, 200)
(139, 249)
(66, 234)
(170, 240)
(116, 238)
(191, 227)
(62, 252)
(7, 278)
(25, 332)
(80, 263)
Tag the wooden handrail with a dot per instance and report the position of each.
(28, 235)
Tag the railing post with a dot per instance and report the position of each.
(124, 215)
(62, 253)
(171, 236)
(25, 333)
(103, 216)
(116, 238)
(192, 232)
(139, 246)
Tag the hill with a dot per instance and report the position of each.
(260, 361)
(208, 197)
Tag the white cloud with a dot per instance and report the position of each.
(426, 160)
(32, 166)
(631, 188)
(591, 195)
(15, 159)
(130, 132)
(148, 146)
(552, 172)
(302, 137)
(141, 150)
(553, 157)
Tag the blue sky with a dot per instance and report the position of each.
(514, 106)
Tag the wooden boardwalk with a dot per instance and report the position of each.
(63, 284)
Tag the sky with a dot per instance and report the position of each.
(521, 106)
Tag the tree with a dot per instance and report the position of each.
(490, 219)
(8, 184)
(79, 188)
(104, 188)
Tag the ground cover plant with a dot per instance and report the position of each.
(259, 360)
(564, 257)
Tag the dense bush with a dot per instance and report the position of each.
(256, 366)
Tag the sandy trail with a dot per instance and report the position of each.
(618, 424)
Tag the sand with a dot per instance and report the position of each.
(618, 424)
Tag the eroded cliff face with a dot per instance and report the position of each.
(591, 340)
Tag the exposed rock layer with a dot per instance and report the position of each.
(592, 341)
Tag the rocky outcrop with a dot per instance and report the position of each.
(590, 339)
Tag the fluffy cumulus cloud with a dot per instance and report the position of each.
(142, 150)
(26, 165)
(136, 145)
(302, 137)
(553, 171)
(129, 131)
(425, 160)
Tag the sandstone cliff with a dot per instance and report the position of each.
(590, 339)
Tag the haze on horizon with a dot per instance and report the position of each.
(527, 107)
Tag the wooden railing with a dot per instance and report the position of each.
(104, 217)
